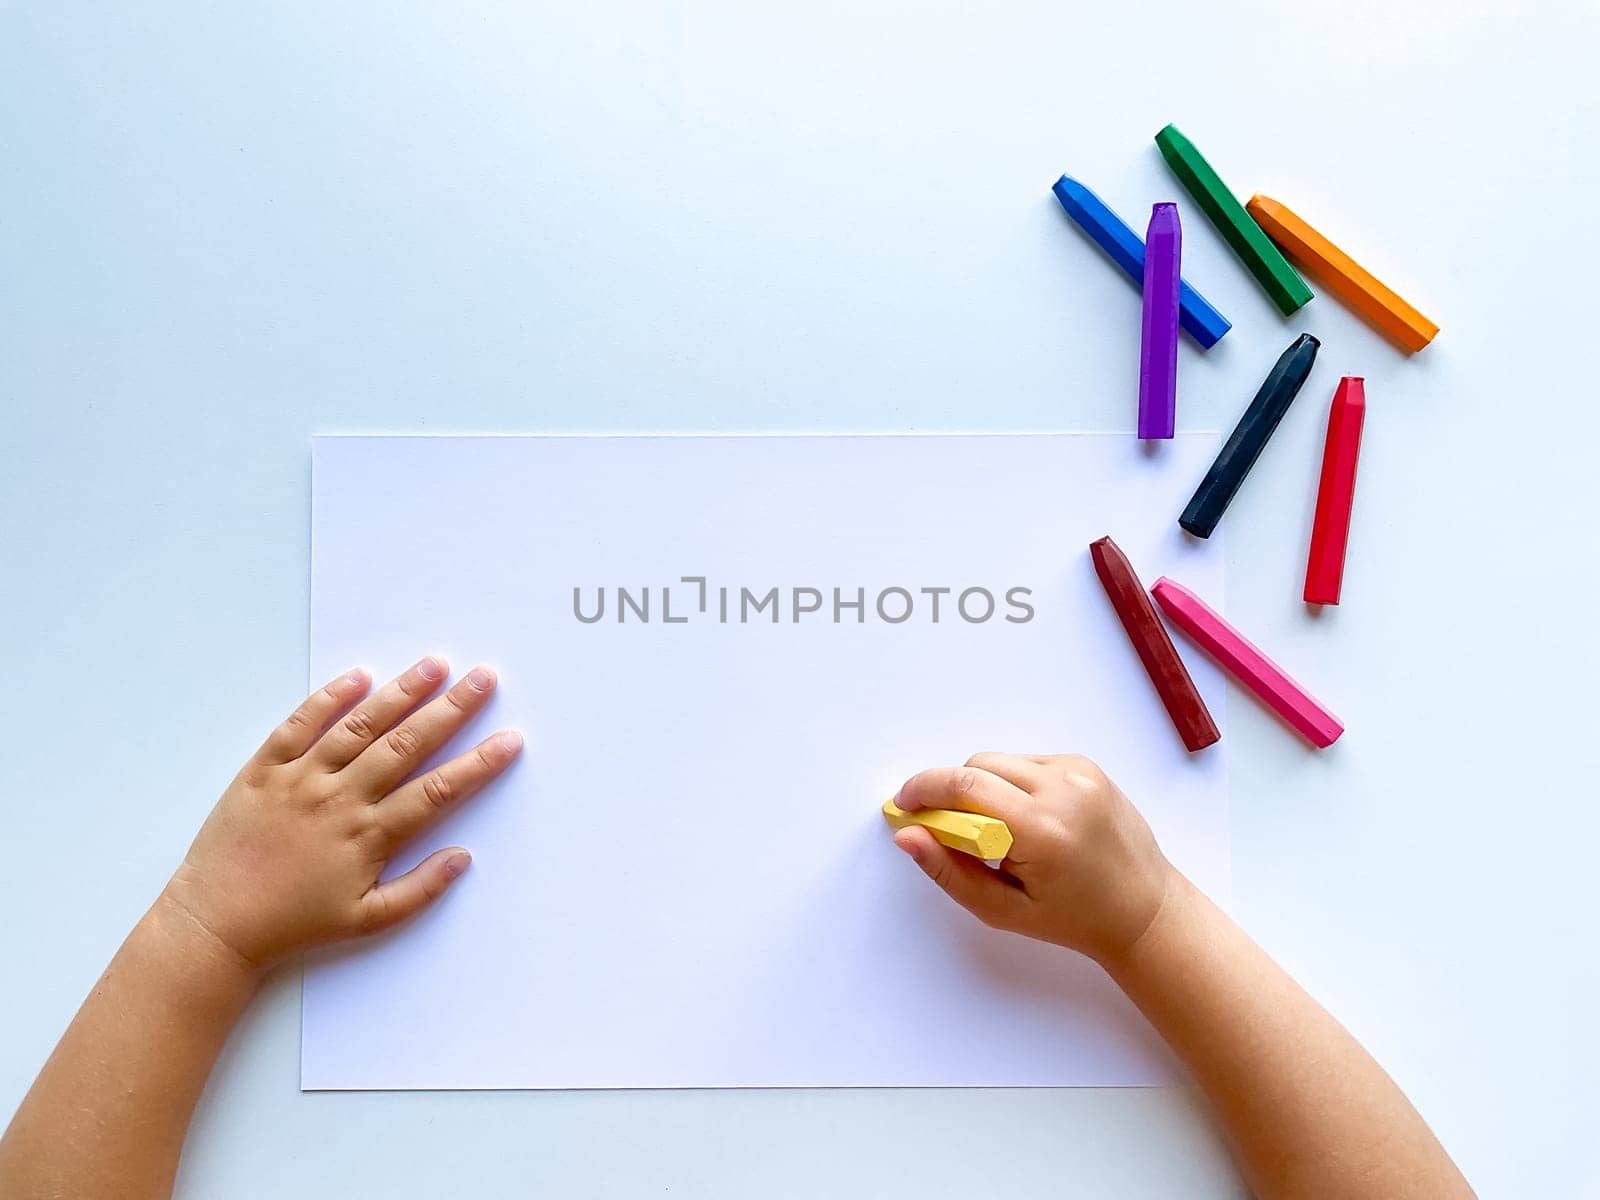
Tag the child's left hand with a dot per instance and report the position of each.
(292, 854)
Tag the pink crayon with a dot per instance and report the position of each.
(1251, 667)
(1158, 334)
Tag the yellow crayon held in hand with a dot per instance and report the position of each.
(988, 838)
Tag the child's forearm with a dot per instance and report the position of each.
(292, 856)
(108, 1114)
(1308, 1110)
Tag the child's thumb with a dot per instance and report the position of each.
(966, 880)
(390, 903)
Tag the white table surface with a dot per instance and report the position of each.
(224, 228)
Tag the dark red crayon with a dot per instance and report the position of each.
(1156, 651)
(1330, 530)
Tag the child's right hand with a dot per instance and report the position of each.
(1084, 869)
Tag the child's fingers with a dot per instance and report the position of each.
(386, 905)
(977, 888)
(426, 799)
(382, 765)
(374, 716)
(967, 789)
(1024, 770)
(300, 731)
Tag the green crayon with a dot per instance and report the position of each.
(1237, 227)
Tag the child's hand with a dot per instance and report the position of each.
(1084, 869)
(291, 855)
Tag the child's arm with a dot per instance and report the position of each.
(289, 858)
(1308, 1110)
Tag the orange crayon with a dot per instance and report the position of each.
(1371, 299)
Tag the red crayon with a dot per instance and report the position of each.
(1154, 646)
(1330, 531)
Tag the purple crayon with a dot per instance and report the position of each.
(1158, 340)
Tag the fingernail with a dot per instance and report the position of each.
(481, 678)
(457, 863)
(430, 668)
(510, 741)
(356, 677)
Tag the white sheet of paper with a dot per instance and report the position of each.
(686, 882)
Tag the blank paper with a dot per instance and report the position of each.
(725, 653)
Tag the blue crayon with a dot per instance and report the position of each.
(1111, 233)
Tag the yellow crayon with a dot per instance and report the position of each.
(971, 833)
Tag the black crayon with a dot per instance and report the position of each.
(1249, 437)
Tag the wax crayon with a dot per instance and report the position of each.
(1246, 663)
(1237, 227)
(1249, 437)
(971, 833)
(1154, 646)
(1111, 233)
(1330, 529)
(1370, 299)
(1158, 335)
